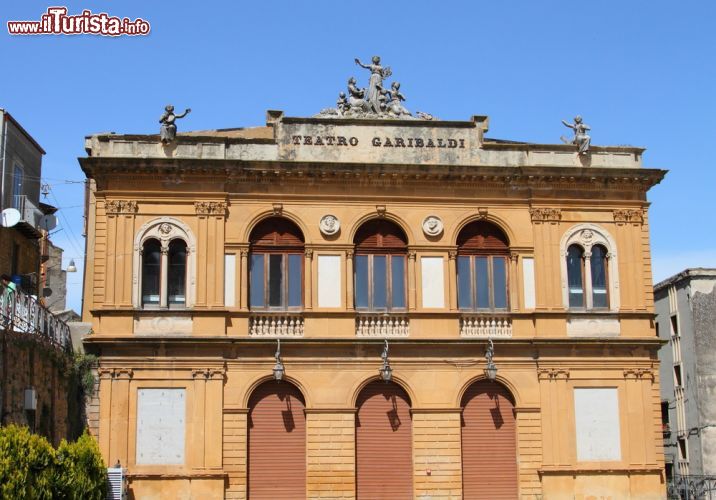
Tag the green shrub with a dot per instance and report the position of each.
(80, 472)
(27, 463)
(30, 468)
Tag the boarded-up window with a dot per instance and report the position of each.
(329, 281)
(161, 420)
(596, 413)
(489, 443)
(277, 443)
(384, 458)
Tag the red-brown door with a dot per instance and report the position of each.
(277, 443)
(489, 443)
(384, 451)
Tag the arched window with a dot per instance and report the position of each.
(276, 265)
(590, 276)
(380, 267)
(575, 275)
(151, 272)
(164, 263)
(482, 267)
(598, 266)
(177, 273)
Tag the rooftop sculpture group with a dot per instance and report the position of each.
(375, 101)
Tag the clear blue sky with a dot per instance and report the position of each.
(640, 72)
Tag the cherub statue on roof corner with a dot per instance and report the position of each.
(374, 101)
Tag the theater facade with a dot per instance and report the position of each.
(458, 316)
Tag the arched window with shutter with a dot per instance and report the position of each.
(276, 265)
(483, 250)
(590, 273)
(381, 248)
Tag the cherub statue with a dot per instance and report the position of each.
(356, 99)
(342, 104)
(581, 139)
(377, 73)
(395, 107)
(168, 132)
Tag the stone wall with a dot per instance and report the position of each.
(25, 363)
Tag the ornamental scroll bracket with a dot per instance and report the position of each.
(628, 216)
(542, 215)
(117, 207)
(210, 207)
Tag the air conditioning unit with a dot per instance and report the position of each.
(115, 486)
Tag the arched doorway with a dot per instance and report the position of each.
(489, 443)
(384, 451)
(277, 442)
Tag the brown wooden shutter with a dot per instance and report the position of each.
(380, 235)
(482, 237)
(277, 443)
(276, 232)
(384, 452)
(489, 443)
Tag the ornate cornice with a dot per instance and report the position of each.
(626, 216)
(210, 207)
(116, 207)
(545, 215)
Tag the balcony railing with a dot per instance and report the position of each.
(485, 325)
(691, 488)
(276, 325)
(382, 325)
(22, 313)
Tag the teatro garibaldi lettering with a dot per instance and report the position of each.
(387, 142)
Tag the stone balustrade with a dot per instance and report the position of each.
(382, 325)
(485, 325)
(276, 325)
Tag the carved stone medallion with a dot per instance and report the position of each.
(432, 225)
(329, 225)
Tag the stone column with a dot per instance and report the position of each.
(308, 269)
(330, 465)
(244, 280)
(105, 411)
(452, 280)
(164, 273)
(119, 430)
(213, 427)
(197, 427)
(514, 282)
(350, 281)
(412, 292)
(588, 297)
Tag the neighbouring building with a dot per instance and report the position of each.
(36, 388)
(334, 234)
(686, 318)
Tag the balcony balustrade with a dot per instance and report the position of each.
(382, 325)
(485, 325)
(276, 325)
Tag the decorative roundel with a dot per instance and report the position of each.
(329, 225)
(432, 225)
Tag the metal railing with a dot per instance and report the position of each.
(22, 313)
(691, 487)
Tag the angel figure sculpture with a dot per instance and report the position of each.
(581, 139)
(168, 132)
(375, 84)
(395, 106)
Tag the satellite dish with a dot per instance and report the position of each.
(10, 217)
(48, 222)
